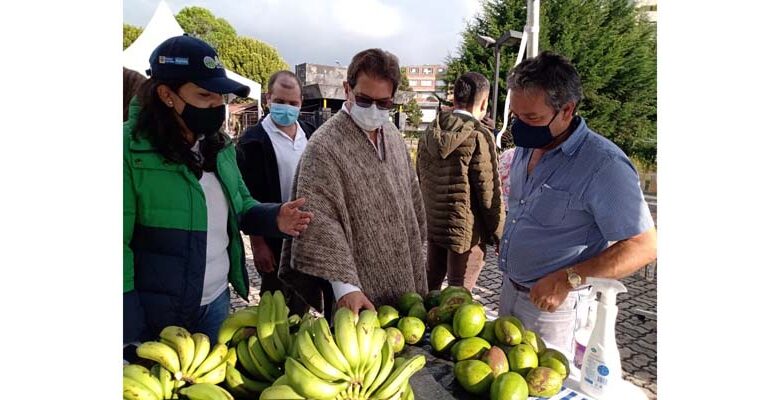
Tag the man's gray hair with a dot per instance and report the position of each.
(554, 74)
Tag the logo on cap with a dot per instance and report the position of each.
(173, 60)
(212, 62)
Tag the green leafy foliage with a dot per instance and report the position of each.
(610, 43)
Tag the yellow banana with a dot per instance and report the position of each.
(400, 377)
(408, 392)
(236, 321)
(281, 381)
(232, 357)
(166, 380)
(215, 376)
(146, 378)
(281, 392)
(388, 359)
(132, 389)
(313, 360)
(364, 331)
(309, 385)
(325, 343)
(242, 385)
(181, 341)
(370, 376)
(267, 369)
(216, 357)
(162, 354)
(346, 337)
(205, 391)
(374, 359)
(202, 350)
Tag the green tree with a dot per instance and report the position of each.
(610, 43)
(412, 109)
(129, 34)
(243, 55)
(201, 23)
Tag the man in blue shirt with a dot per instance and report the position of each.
(573, 193)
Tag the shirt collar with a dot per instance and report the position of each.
(464, 112)
(270, 125)
(570, 146)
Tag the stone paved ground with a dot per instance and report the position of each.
(636, 323)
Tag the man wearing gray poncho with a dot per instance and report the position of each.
(365, 241)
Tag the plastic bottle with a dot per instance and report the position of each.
(602, 375)
(582, 335)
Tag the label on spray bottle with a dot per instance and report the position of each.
(596, 374)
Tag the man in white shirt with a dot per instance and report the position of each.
(268, 155)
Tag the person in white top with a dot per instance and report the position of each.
(268, 155)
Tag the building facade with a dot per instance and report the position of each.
(426, 80)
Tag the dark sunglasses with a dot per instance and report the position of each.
(364, 101)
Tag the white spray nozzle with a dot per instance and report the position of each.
(609, 288)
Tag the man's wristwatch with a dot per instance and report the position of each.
(573, 278)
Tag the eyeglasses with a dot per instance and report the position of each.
(365, 101)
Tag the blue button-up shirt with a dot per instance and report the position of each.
(579, 196)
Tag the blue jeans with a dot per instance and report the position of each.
(211, 316)
(209, 320)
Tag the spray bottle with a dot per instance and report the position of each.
(583, 333)
(602, 375)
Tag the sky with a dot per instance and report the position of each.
(332, 31)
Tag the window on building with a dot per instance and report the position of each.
(440, 83)
(427, 71)
(426, 83)
(440, 70)
(413, 70)
(412, 82)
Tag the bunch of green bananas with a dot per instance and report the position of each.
(354, 362)
(260, 341)
(183, 358)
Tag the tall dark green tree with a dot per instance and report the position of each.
(612, 45)
(412, 109)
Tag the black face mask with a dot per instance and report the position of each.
(203, 121)
(530, 136)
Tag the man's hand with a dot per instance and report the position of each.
(549, 292)
(355, 301)
(291, 219)
(263, 256)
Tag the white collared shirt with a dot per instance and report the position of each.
(288, 153)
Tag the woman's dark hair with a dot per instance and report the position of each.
(157, 123)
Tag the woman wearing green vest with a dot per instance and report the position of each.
(184, 198)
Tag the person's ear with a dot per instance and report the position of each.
(165, 95)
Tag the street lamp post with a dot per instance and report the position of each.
(509, 38)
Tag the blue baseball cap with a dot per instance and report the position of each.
(189, 59)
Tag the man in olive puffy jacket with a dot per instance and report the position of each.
(458, 169)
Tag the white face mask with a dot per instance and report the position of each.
(369, 118)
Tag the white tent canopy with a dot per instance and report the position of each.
(162, 26)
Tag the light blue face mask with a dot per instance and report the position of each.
(284, 114)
